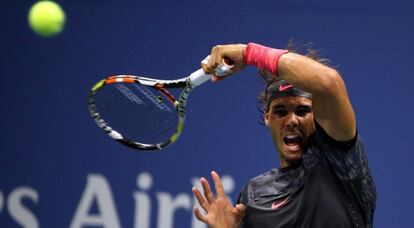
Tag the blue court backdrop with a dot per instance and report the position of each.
(57, 169)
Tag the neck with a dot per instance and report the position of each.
(285, 164)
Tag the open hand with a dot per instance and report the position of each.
(219, 212)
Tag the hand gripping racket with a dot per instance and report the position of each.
(144, 113)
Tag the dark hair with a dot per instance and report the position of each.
(270, 79)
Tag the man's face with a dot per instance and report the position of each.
(290, 120)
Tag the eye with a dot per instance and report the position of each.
(280, 112)
(303, 111)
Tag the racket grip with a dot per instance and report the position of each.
(199, 77)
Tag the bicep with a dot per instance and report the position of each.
(331, 105)
(333, 111)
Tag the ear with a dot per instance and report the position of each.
(266, 118)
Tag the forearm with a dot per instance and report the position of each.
(310, 75)
(331, 106)
(303, 72)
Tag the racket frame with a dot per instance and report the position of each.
(188, 84)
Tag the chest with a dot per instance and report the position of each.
(319, 202)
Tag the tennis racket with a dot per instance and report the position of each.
(144, 113)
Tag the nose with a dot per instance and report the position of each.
(292, 121)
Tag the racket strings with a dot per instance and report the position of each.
(139, 113)
(138, 124)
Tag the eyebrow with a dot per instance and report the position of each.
(305, 106)
(279, 106)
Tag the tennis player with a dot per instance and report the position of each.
(323, 179)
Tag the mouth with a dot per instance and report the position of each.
(293, 142)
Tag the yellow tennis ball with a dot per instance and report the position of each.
(46, 18)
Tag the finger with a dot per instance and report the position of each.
(228, 62)
(215, 78)
(205, 68)
(201, 200)
(199, 216)
(207, 190)
(217, 184)
(212, 62)
(240, 211)
(204, 63)
(240, 208)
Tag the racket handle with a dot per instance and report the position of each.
(199, 77)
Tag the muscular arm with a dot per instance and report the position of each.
(331, 106)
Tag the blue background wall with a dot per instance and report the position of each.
(51, 147)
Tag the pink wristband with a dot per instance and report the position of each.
(263, 57)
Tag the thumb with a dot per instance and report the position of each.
(240, 211)
(215, 78)
(240, 208)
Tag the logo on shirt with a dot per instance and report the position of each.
(278, 204)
